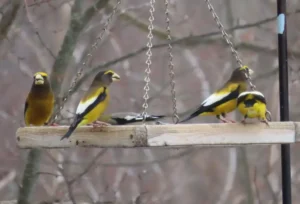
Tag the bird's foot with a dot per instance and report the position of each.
(100, 124)
(224, 120)
(231, 121)
(243, 121)
(266, 122)
(160, 123)
(54, 124)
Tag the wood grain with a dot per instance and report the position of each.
(160, 135)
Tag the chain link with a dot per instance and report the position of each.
(252, 86)
(224, 33)
(171, 65)
(87, 60)
(148, 61)
(268, 115)
(227, 39)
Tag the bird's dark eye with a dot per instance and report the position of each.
(109, 75)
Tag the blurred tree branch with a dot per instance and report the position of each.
(206, 38)
(132, 18)
(4, 6)
(202, 39)
(60, 66)
(8, 17)
(70, 182)
(66, 51)
(35, 30)
(56, 202)
(245, 174)
(38, 3)
(29, 176)
(257, 192)
(78, 22)
(185, 152)
(92, 163)
(247, 46)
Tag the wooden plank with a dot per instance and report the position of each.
(160, 135)
(65, 202)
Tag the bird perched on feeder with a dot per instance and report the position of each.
(39, 102)
(252, 104)
(94, 102)
(125, 118)
(224, 100)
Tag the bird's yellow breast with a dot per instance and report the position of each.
(39, 111)
(94, 114)
(258, 110)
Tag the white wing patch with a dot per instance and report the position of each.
(138, 117)
(214, 98)
(251, 92)
(130, 117)
(82, 106)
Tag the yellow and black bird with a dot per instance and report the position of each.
(94, 102)
(224, 100)
(252, 104)
(40, 101)
(125, 118)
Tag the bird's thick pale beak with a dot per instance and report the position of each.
(250, 71)
(38, 80)
(115, 77)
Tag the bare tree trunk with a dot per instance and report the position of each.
(8, 18)
(77, 24)
(29, 176)
(60, 66)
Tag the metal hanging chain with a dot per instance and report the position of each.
(171, 65)
(148, 61)
(227, 39)
(87, 60)
(252, 86)
(224, 33)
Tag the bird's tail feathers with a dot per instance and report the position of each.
(72, 127)
(123, 121)
(152, 117)
(193, 115)
(157, 116)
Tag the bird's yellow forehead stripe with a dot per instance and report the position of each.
(109, 71)
(244, 67)
(41, 73)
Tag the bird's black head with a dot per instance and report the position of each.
(41, 84)
(106, 78)
(40, 79)
(241, 74)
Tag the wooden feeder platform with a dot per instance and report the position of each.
(180, 135)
